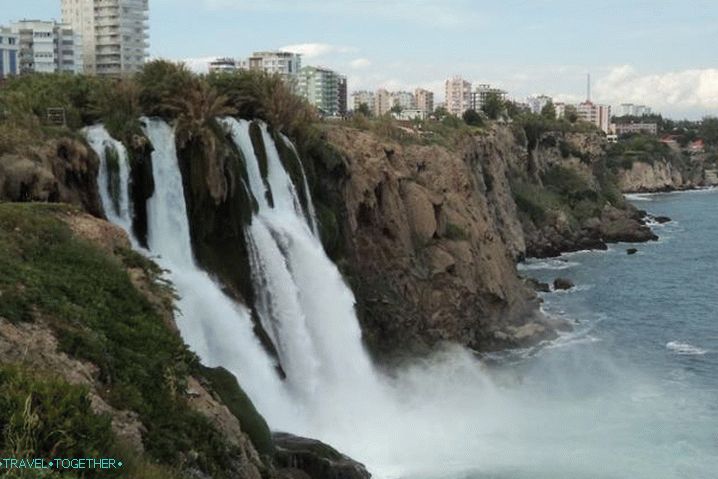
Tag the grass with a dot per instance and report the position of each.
(98, 315)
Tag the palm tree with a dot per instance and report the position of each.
(197, 112)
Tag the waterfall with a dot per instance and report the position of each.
(115, 203)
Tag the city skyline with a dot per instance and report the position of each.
(543, 47)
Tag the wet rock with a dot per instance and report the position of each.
(316, 459)
(538, 286)
(661, 219)
(562, 284)
(631, 251)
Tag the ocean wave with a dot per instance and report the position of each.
(639, 196)
(551, 264)
(685, 349)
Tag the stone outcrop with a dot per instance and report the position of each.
(431, 236)
(671, 174)
(301, 457)
(58, 171)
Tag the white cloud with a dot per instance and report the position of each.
(198, 65)
(314, 50)
(693, 91)
(360, 63)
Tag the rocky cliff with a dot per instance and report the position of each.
(666, 175)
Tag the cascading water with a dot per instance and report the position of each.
(113, 182)
(568, 413)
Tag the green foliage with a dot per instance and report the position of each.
(161, 83)
(455, 233)
(534, 201)
(99, 316)
(472, 117)
(645, 148)
(225, 385)
(493, 106)
(709, 130)
(258, 95)
(43, 416)
(363, 109)
(569, 184)
(549, 111)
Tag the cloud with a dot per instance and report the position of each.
(314, 50)
(693, 91)
(360, 63)
(197, 65)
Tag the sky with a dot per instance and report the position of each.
(661, 53)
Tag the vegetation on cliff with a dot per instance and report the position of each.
(85, 295)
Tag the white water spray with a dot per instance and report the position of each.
(439, 418)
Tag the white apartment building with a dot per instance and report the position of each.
(424, 100)
(482, 93)
(285, 64)
(382, 102)
(115, 34)
(537, 103)
(363, 97)
(599, 115)
(324, 89)
(403, 99)
(458, 95)
(221, 65)
(9, 53)
(630, 109)
(48, 47)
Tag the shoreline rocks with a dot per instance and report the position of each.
(302, 457)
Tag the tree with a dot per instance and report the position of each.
(440, 112)
(493, 105)
(472, 117)
(570, 113)
(363, 109)
(549, 111)
(709, 130)
(396, 109)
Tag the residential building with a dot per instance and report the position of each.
(538, 102)
(48, 47)
(342, 95)
(630, 109)
(115, 34)
(382, 102)
(324, 89)
(410, 114)
(599, 115)
(629, 128)
(285, 64)
(458, 95)
(403, 99)
(424, 100)
(363, 97)
(223, 65)
(560, 109)
(9, 52)
(482, 93)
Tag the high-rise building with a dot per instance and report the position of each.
(629, 109)
(48, 47)
(403, 99)
(382, 102)
(285, 64)
(458, 95)
(9, 52)
(325, 89)
(537, 103)
(599, 115)
(115, 34)
(424, 100)
(363, 97)
(482, 93)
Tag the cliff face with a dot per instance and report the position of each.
(431, 236)
(666, 175)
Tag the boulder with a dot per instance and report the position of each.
(538, 286)
(631, 251)
(562, 284)
(315, 459)
(662, 219)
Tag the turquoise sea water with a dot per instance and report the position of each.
(633, 391)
